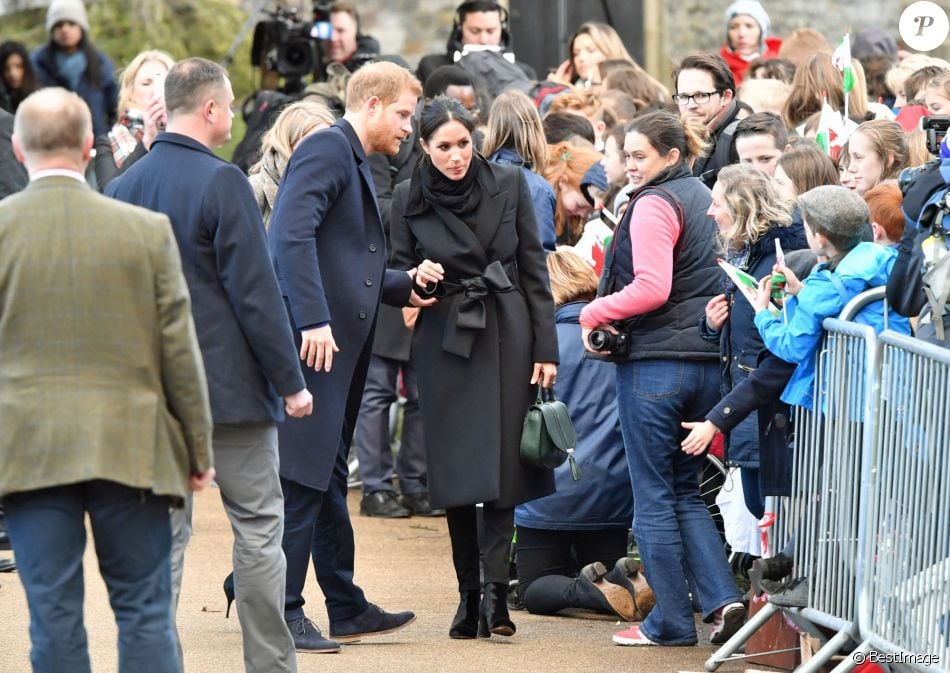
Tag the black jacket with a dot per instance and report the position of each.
(13, 175)
(474, 382)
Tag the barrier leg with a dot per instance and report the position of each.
(732, 645)
(823, 656)
(848, 663)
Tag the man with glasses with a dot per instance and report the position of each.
(705, 94)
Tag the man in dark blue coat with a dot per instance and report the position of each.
(241, 322)
(329, 250)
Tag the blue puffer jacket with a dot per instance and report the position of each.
(603, 496)
(739, 341)
(542, 195)
(867, 266)
(102, 100)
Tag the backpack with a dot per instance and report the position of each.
(494, 73)
(935, 220)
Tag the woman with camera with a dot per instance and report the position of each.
(484, 347)
(652, 290)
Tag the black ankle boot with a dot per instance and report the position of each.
(493, 612)
(465, 623)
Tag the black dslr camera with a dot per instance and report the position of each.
(935, 126)
(291, 46)
(603, 341)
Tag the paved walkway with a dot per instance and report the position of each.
(402, 564)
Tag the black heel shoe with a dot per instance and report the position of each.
(465, 624)
(493, 612)
(229, 593)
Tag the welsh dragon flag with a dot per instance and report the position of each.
(842, 60)
(832, 133)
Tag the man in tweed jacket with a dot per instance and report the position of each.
(103, 399)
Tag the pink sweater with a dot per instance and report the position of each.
(654, 230)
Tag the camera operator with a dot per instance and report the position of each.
(478, 22)
(347, 44)
(922, 268)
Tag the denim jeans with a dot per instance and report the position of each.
(679, 545)
(133, 542)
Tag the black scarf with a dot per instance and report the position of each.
(459, 197)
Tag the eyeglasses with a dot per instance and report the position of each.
(700, 97)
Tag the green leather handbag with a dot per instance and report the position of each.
(547, 437)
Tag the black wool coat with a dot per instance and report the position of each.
(474, 384)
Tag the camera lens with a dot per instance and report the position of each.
(598, 340)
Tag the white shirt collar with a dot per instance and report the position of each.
(57, 172)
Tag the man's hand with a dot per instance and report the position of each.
(299, 404)
(700, 435)
(544, 373)
(418, 301)
(154, 119)
(198, 480)
(717, 311)
(318, 348)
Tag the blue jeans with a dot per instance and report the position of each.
(679, 545)
(133, 542)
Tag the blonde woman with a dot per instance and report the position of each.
(140, 114)
(751, 217)
(515, 137)
(295, 123)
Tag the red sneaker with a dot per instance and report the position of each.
(632, 637)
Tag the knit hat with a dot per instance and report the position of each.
(874, 42)
(67, 10)
(835, 209)
(754, 9)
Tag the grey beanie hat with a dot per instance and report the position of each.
(67, 10)
(835, 209)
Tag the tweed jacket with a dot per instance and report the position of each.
(100, 372)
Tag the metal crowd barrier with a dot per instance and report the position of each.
(905, 601)
(869, 511)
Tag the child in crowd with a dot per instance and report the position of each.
(835, 221)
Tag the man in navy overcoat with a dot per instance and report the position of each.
(328, 247)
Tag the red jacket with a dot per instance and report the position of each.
(739, 65)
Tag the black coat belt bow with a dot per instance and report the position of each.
(459, 335)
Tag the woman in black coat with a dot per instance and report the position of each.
(482, 348)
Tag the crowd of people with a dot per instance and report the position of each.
(459, 237)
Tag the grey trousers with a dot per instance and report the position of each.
(371, 439)
(246, 464)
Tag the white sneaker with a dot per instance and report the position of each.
(726, 622)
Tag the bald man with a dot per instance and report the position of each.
(103, 400)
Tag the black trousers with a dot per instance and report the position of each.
(499, 525)
(550, 560)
